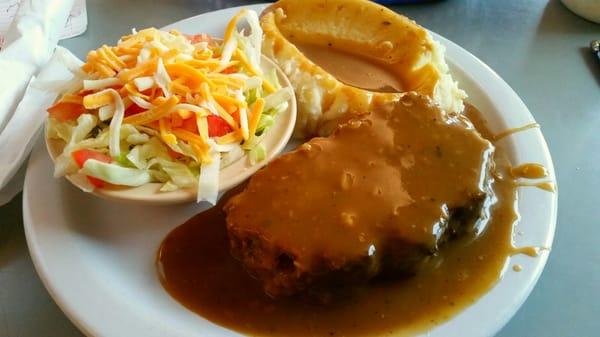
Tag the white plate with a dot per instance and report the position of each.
(96, 258)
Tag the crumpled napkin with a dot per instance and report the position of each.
(30, 43)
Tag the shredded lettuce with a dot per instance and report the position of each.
(142, 103)
(253, 94)
(168, 187)
(114, 129)
(233, 155)
(137, 138)
(266, 121)
(64, 164)
(106, 112)
(179, 173)
(123, 161)
(253, 83)
(73, 134)
(144, 83)
(252, 43)
(115, 174)
(253, 141)
(227, 52)
(85, 124)
(162, 78)
(208, 181)
(140, 154)
(277, 98)
(59, 130)
(272, 78)
(257, 154)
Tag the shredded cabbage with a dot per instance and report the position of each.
(115, 124)
(140, 154)
(228, 50)
(281, 96)
(208, 182)
(141, 102)
(59, 130)
(257, 154)
(106, 112)
(265, 122)
(179, 173)
(115, 174)
(168, 187)
(162, 78)
(252, 43)
(144, 83)
(85, 124)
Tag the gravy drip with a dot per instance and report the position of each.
(529, 171)
(197, 269)
(511, 131)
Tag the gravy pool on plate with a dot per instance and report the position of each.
(198, 270)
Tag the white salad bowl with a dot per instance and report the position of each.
(234, 173)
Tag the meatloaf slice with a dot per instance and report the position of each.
(374, 198)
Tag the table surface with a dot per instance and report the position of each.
(538, 47)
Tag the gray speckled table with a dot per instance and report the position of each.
(538, 47)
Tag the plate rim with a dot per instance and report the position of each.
(81, 320)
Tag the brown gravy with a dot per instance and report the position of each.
(529, 171)
(197, 269)
(547, 186)
(509, 132)
(351, 69)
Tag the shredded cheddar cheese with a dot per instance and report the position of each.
(173, 108)
(171, 83)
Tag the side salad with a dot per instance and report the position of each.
(168, 107)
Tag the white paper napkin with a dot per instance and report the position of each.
(29, 45)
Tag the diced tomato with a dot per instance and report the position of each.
(80, 156)
(95, 181)
(190, 125)
(199, 38)
(174, 155)
(236, 115)
(84, 93)
(229, 70)
(176, 120)
(133, 109)
(65, 111)
(217, 126)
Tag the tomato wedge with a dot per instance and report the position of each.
(190, 125)
(217, 126)
(65, 111)
(229, 70)
(198, 38)
(80, 156)
(133, 109)
(174, 155)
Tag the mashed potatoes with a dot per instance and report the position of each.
(361, 28)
